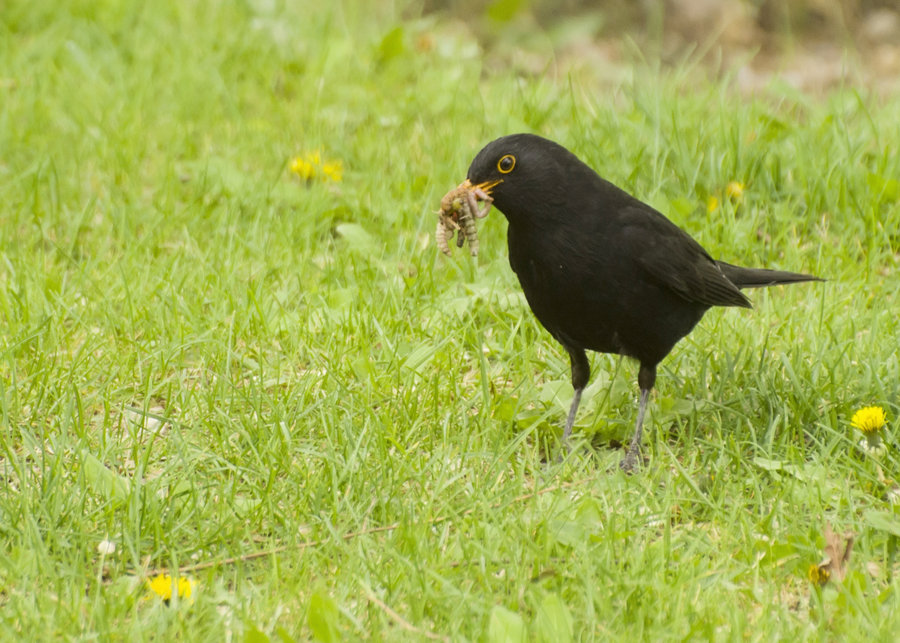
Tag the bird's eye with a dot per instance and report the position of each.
(506, 164)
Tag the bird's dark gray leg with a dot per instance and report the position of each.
(646, 379)
(581, 373)
(571, 419)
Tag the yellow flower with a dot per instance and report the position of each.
(303, 169)
(311, 166)
(869, 420)
(333, 170)
(712, 204)
(164, 586)
(734, 190)
(818, 574)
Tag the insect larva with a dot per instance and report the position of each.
(459, 209)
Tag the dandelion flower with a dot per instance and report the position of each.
(734, 190)
(333, 170)
(311, 166)
(165, 586)
(106, 547)
(302, 168)
(818, 574)
(712, 204)
(869, 420)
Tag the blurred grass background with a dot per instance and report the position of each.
(207, 357)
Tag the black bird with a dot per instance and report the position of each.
(600, 269)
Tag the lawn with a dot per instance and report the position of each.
(232, 353)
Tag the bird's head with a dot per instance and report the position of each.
(523, 174)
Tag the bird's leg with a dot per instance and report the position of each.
(581, 373)
(629, 462)
(646, 379)
(570, 421)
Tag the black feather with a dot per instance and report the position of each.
(602, 270)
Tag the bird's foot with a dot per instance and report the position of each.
(565, 450)
(629, 463)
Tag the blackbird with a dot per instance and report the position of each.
(600, 269)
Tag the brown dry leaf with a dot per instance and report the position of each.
(837, 555)
(874, 569)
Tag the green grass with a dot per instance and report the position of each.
(203, 358)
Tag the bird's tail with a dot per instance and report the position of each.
(761, 277)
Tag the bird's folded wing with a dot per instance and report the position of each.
(674, 260)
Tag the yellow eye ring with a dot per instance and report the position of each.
(506, 164)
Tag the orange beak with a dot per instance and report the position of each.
(485, 187)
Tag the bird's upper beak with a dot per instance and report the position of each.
(484, 187)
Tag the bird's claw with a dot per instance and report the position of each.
(629, 464)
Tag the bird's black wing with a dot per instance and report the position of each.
(674, 260)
